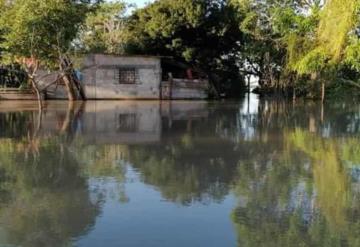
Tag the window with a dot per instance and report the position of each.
(127, 76)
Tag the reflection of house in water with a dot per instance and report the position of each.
(131, 122)
(138, 77)
(107, 122)
(122, 122)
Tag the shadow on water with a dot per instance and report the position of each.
(294, 168)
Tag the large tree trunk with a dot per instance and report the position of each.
(72, 84)
(69, 88)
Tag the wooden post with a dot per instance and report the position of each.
(161, 90)
(171, 81)
(322, 91)
(322, 113)
(294, 94)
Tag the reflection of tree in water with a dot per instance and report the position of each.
(330, 119)
(15, 124)
(44, 188)
(287, 195)
(202, 173)
(181, 166)
(293, 188)
(304, 196)
(47, 200)
(50, 200)
(192, 163)
(291, 191)
(103, 163)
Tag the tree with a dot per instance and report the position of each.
(41, 31)
(322, 51)
(260, 54)
(289, 42)
(105, 29)
(267, 25)
(203, 33)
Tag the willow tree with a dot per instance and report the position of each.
(321, 52)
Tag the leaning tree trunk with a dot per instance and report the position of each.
(69, 88)
(72, 84)
(67, 81)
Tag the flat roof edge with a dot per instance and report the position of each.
(135, 56)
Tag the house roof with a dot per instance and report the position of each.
(135, 55)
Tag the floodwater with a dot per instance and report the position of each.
(184, 173)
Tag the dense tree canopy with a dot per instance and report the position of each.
(40, 29)
(286, 44)
(203, 33)
(105, 29)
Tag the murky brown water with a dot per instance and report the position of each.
(146, 173)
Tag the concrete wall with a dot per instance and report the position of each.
(185, 89)
(16, 94)
(100, 77)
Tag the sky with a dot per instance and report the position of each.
(139, 3)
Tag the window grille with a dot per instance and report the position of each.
(127, 76)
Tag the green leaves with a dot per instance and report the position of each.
(204, 33)
(105, 29)
(40, 28)
(352, 53)
(313, 62)
(327, 42)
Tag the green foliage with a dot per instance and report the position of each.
(40, 29)
(312, 62)
(337, 20)
(105, 29)
(324, 47)
(273, 40)
(204, 33)
(352, 53)
(301, 38)
(265, 23)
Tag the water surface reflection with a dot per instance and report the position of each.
(132, 173)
